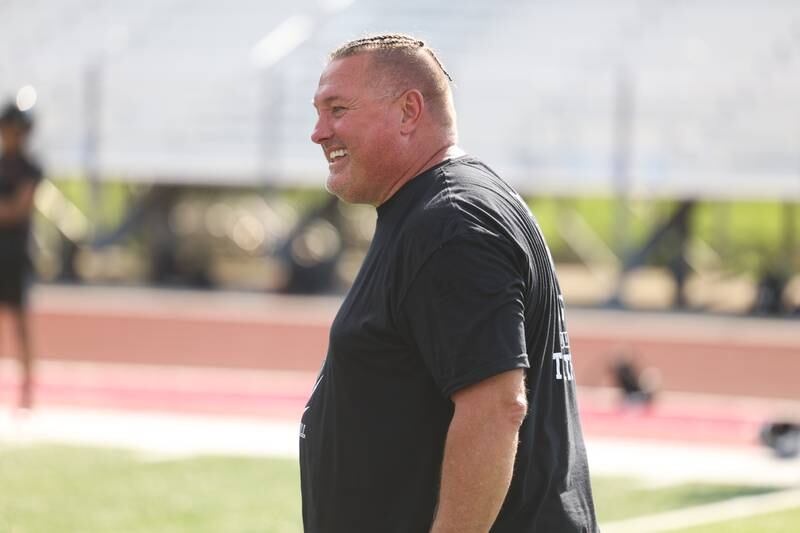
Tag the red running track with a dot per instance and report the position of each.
(692, 353)
(282, 395)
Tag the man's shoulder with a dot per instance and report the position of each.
(465, 195)
(437, 216)
(460, 198)
(468, 168)
(463, 179)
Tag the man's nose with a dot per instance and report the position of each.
(321, 131)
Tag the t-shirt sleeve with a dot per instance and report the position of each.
(464, 311)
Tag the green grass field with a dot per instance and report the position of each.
(618, 498)
(47, 489)
(786, 521)
(55, 488)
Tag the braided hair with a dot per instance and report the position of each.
(387, 41)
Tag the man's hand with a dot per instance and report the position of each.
(479, 453)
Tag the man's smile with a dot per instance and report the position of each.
(336, 154)
(337, 157)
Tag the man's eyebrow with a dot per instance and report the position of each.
(325, 101)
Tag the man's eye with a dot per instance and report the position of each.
(337, 110)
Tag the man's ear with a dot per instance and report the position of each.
(412, 105)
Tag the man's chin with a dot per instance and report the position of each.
(336, 186)
(346, 194)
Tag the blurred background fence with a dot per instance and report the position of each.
(658, 142)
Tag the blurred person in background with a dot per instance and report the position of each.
(447, 400)
(19, 175)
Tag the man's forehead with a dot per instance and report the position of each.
(343, 77)
(357, 63)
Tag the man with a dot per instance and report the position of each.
(446, 402)
(18, 178)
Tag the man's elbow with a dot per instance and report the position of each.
(513, 401)
(506, 415)
(500, 401)
(515, 410)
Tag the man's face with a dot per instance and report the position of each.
(358, 130)
(12, 137)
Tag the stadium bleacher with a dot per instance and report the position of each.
(710, 88)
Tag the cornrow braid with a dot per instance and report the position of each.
(387, 41)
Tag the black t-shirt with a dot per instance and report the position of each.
(15, 172)
(457, 286)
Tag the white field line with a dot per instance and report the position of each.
(682, 463)
(160, 435)
(742, 507)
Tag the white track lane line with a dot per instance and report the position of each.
(742, 507)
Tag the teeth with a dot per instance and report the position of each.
(336, 154)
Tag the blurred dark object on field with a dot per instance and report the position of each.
(769, 294)
(312, 250)
(638, 388)
(667, 244)
(783, 437)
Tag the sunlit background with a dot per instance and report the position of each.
(188, 260)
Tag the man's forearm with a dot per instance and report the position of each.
(476, 473)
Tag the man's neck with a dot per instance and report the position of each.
(448, 151)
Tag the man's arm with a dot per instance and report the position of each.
(479, 453)
(18, 207)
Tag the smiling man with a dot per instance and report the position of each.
(447, 399)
